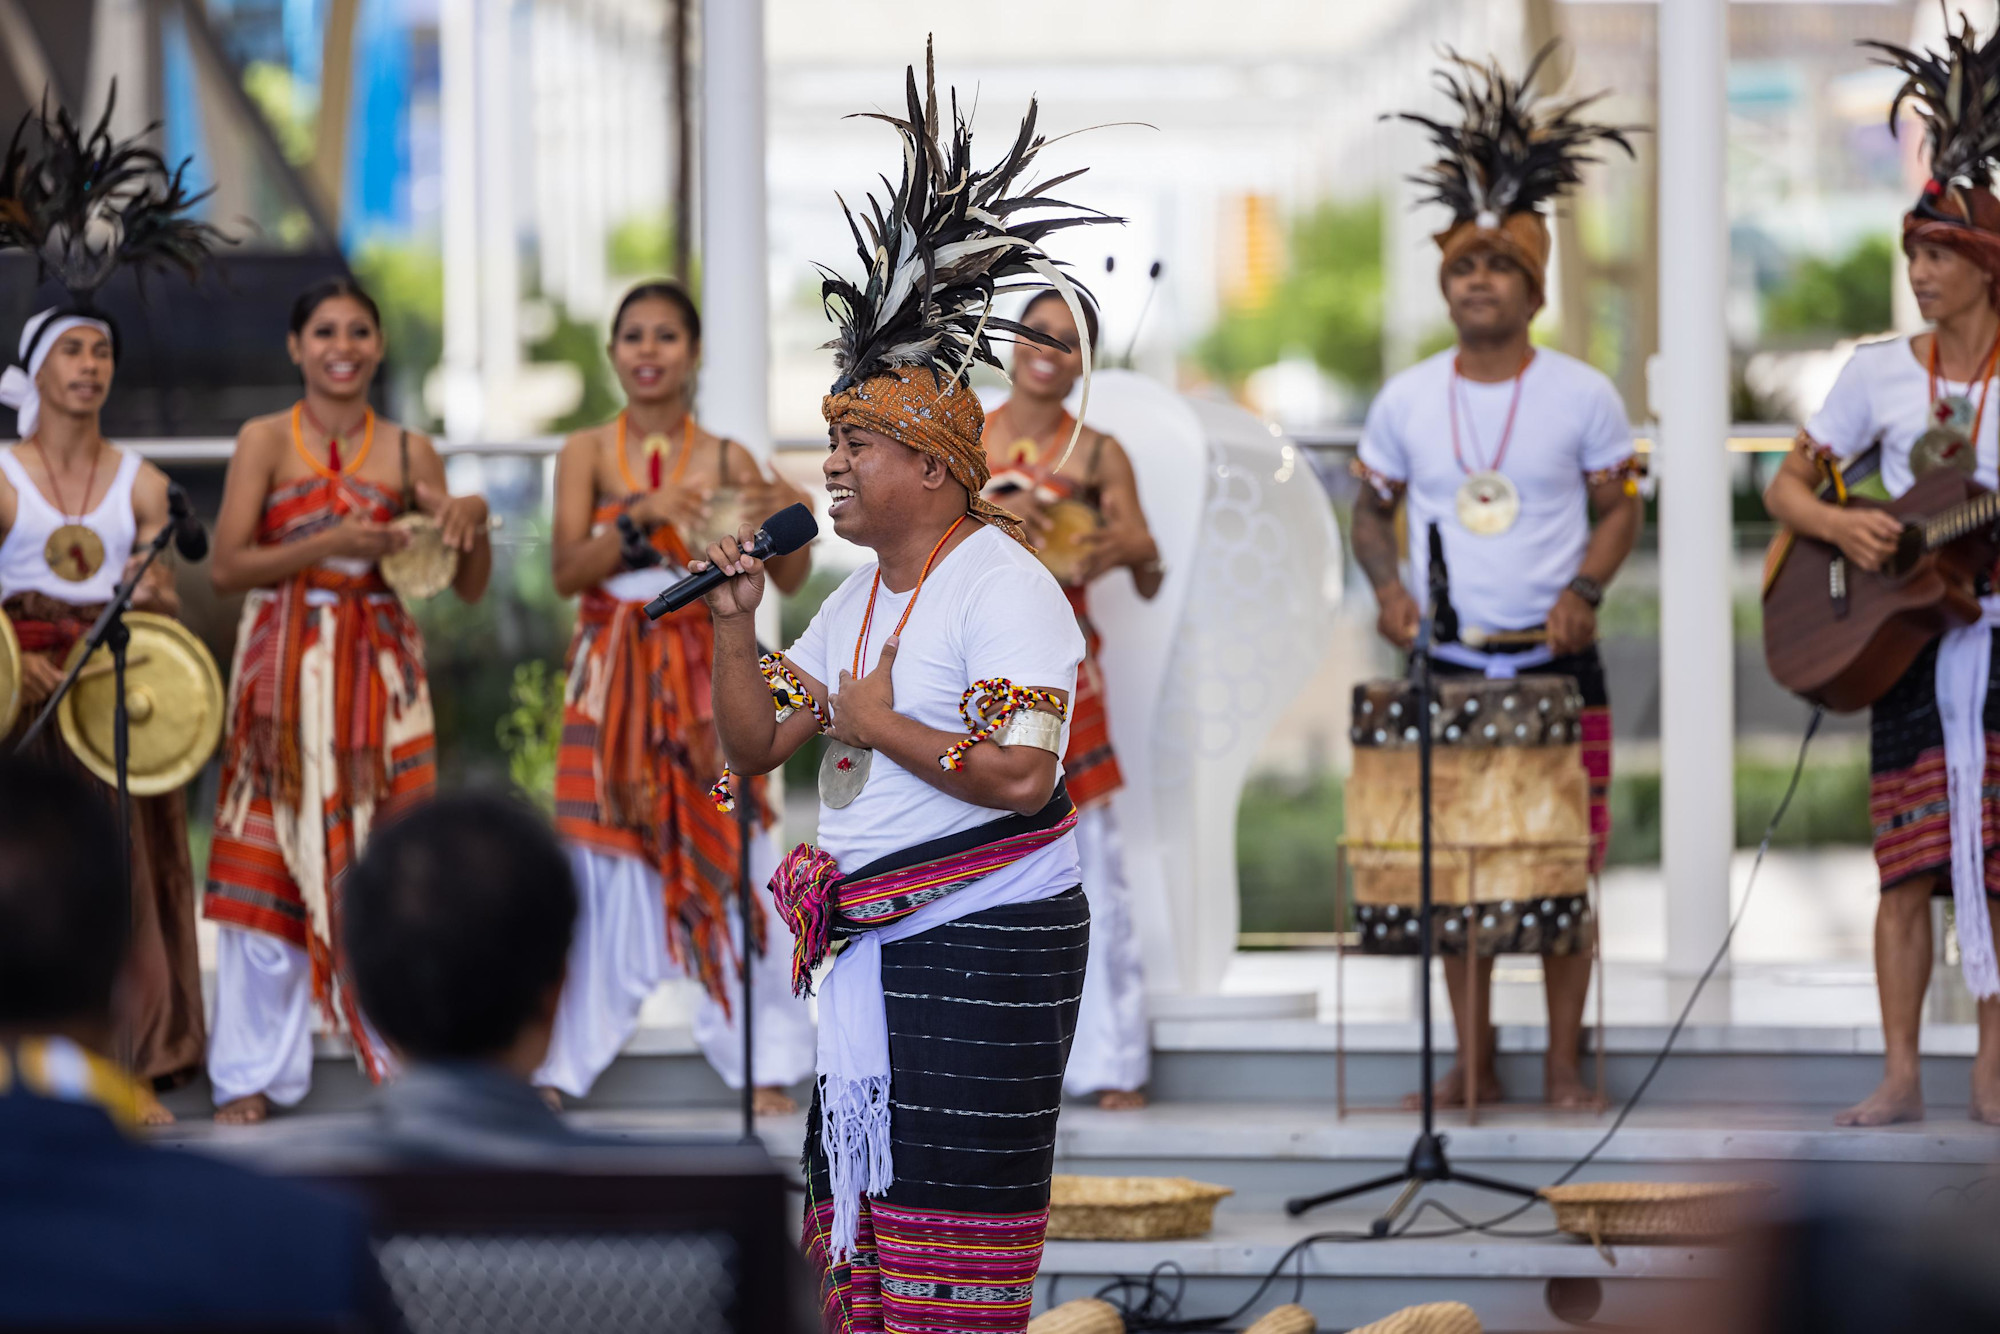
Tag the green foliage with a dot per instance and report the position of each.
(582, 346)
(468, 651)
(407, 281)
(641, 247)
(1286, 845)
(530, 733)
(1328, 302)
(289, 105)
(1849, 295)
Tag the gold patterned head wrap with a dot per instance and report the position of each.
(906, 404)
(934, 255)
(1510, 151)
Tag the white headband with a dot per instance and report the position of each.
(17, 386)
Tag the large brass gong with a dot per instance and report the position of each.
(10, 676)
(173, 694)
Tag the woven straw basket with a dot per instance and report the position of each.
(1131, 1208)
(1431, 1318)
(1652, 1212)
(1085, 1315)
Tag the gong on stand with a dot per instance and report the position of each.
(10, 676)
(174, 701)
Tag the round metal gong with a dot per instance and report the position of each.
(174, 697)
(10, 676)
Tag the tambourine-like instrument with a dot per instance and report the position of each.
(424, 568)
(174, 700)
(1510, 816)
(1066, 543)
(726, 513)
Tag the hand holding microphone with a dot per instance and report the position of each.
(780, 535)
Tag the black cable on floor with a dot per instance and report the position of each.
(1156, 1311)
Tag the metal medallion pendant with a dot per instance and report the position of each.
(843, 772)
(1488, 503)
(1942, 447)
(74, 552)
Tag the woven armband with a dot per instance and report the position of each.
(1000, 702)
(788, 692)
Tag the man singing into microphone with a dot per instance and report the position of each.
(1510, 450)
(942, 673)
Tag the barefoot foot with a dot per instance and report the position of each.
(551, 1096)
(1450, 1091)
(243, 1111)
(770, 1100)
(1563, 1088)
(1985, 1096)
(152, 1112)
(1896, 1100)
(1122, 1100)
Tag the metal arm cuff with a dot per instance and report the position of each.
(1032, 727)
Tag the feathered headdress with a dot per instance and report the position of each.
(947, 241)
(85, 204)
(1956, 94)
(1511, 149)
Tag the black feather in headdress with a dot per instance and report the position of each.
(86, 204)
(1511, 149)
(948, 240)
(1956, 94)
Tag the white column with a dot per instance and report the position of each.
(500, 87)
(458, 96)
(1691, 399)
(735, 336)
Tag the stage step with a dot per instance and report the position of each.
(1349, 1280)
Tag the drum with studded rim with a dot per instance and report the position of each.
(1510, 816)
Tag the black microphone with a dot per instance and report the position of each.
(190, 537)
(1444, 617)
(781, 534)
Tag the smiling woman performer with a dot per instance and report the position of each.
(655, 860)
(329, 708)
(1933, 761)
(942, 671)
(1025, 439)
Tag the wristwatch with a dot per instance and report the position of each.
(1588, 589)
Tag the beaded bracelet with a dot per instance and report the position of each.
(788, 696)
(1000, 699)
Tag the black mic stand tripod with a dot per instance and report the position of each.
(1427, 1163)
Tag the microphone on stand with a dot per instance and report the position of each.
(190, 537)
(781, 534)
(1444, 617)
(1139, 326)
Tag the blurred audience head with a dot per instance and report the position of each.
(64, 915)
(457, 924)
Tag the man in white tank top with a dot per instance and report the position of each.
(73, 508)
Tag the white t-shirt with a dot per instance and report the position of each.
(1884, 390)
(1570, 422)
(988, 610)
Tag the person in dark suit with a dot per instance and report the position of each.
(97, 1228)
(458, 920)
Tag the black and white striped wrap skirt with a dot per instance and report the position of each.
(981, 1012)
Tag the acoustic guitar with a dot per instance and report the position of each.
(1840, 636)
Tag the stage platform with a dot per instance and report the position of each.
(1250, 1105)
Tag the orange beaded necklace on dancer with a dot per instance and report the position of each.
(334, 471)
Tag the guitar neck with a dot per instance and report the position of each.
(1969, 516)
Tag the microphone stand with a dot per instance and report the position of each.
(744, 821)
(1427, 1163)
(110, 631)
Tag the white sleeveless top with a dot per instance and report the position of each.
(23, 566)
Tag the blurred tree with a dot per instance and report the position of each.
(1328, 301)
(407, 281)
(1849, 295)
(582, 346)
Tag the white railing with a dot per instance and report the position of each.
(1744, 438)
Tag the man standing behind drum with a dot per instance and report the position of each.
(1025, 441)
(1510, 450)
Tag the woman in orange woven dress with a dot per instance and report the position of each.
(1025, 438)
(655, 861)
(329, 709)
